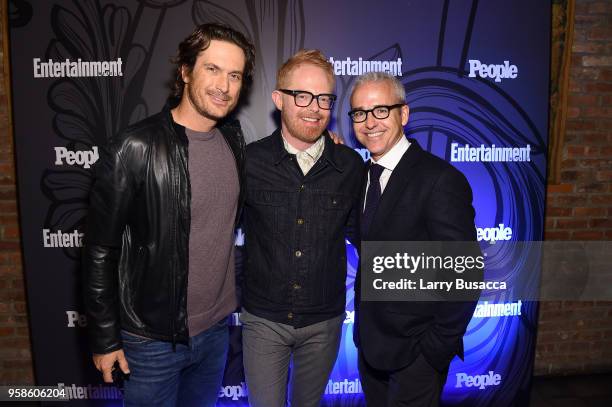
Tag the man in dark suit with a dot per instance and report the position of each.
(405, 348)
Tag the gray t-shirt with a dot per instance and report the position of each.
(211, 288)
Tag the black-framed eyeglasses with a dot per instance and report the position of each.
(379, 112)
(304, 98)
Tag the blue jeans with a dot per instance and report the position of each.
(191, 376)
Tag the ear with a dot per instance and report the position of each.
(277, 98)
(185, 73)
(405, 113)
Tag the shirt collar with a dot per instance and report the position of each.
(314, 151)
(393, 156)
(280, 152)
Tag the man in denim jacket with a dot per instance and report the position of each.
(302, 192)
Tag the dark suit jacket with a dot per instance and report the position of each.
(426, 199)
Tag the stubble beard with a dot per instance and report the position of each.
(301, 132)
(202, 109)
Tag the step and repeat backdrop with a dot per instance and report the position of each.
(476, 75)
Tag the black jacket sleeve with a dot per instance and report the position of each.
(110, 199)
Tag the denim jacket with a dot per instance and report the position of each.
(295, 229)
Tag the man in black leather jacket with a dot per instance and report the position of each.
(167, 193)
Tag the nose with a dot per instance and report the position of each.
(314, 105)
(222, 83)
(370, 120)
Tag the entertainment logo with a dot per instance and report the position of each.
(359, 66)
(91, 392)
(493, 153)
(76, 69)
(61, 239)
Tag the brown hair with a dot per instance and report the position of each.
(199, 40)
(303, 56)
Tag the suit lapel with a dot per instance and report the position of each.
(364, 184)
(400, 177)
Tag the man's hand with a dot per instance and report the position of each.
(104, 363)
(336, 137)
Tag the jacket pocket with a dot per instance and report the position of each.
(260, 197)
(334, 202)
(332, 211)
(268, 209)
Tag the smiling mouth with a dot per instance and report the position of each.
(374, 135)
(311, 119)
(219, 98)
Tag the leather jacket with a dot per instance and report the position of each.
(135, 259)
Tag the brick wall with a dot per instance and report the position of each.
(577, 337)
(573, 337)
(15, 355)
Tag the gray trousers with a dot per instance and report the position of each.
(268, 347)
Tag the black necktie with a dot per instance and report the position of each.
(372, 197)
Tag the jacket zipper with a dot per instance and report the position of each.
(173, 277)
(176, 190)
(240, 180)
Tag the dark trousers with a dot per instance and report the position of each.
(416, 385)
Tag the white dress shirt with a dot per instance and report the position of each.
(389, 161)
